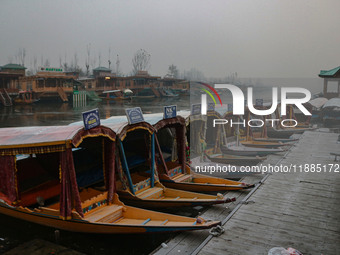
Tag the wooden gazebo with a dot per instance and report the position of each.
(332, 75)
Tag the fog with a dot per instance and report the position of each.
(253, 38)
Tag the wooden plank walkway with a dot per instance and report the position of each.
(299, 210)
(41, 247)
(187, 242)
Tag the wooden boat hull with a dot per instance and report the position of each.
(21, 101)
(77, 225)
(261, 144)
(282, 140)
(177, 198)
(249, 151)
(170, 204)
(285, 133)
(115, 98)
(191, 181)
(234, 159)
(143, 97)
(230, 175)
(205, 183)
(212, 169)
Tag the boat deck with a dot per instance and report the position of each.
(299, 210)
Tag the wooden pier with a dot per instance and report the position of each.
(297, 209)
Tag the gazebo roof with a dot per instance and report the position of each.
(329, 73)
(102, 68)
(13, 66)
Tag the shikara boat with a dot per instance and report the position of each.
(233, 159)
(26, 97)
(116, 95)
(280, 131)
(280, 140)
(273, 132)
(263, 144)
(240, 150)
(64, 177)
(172, 168)
(220, 170)
(250, 142)
(331, 112)
(138, 176)
(315, 105)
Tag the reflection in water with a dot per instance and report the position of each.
(45, 114)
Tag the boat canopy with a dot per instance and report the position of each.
(48, 141)
(318, 102)
(333, 102)
(177, 124)
(130, 155)
(122, 128)
(111, 91)
(128, 91)
(28, 140)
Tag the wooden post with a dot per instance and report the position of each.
(152, 160)
(325, 81)
(126, 168)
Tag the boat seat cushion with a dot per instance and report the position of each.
(46, 190)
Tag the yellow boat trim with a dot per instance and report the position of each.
(135, 128)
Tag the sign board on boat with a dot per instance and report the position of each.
(170, 112)
(230, 107)
(134, 115)
(259, 102)
(196, 109)
(91, 119)
(211, 107)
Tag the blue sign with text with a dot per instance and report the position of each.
(259, 102)
(230, 107)
(196, 109)
(170, 112)
(134, 115)
(211, 107)
(91, 119)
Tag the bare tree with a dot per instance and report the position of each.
(87, 60)
(75, 64)
(118, 72)
(22, 56)
(65, 64)
(193, 75)
(35, 62)
(173, 71)
(109, 57)
(93, 62)
(99, 58)
(47, 63)
(140, 61)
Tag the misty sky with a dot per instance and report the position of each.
(255, 38)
